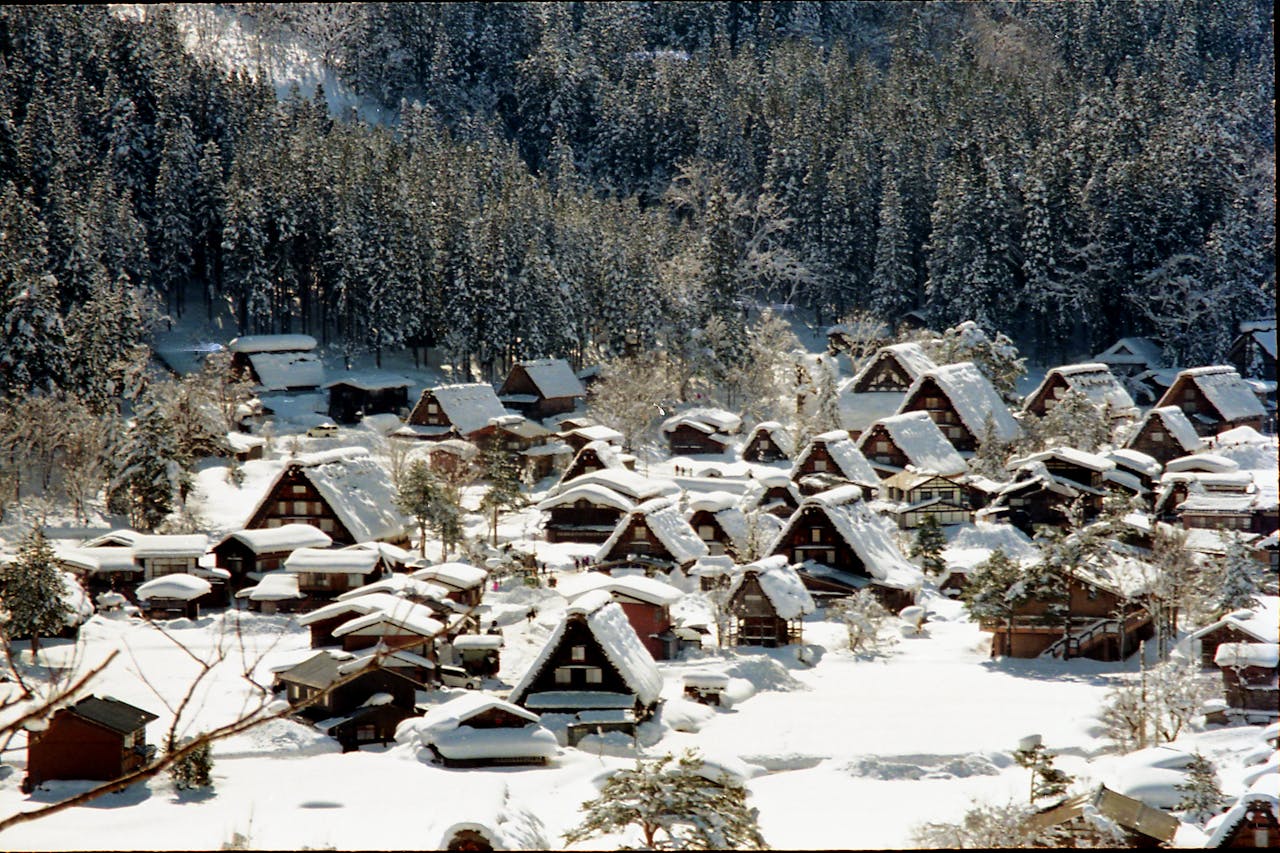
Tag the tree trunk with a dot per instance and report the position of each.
(495, 525)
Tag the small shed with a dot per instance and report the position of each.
(1251, 678)
(1253, 352)
(1165, 433)
(276, 592)
(264, 549)
(477, 730)
(1254, 625)
(464, 582)
(324, 572)
(1128, 357)
(834, 454)
(464, 410)
(1142, 825)
(355, 707)
(352, 396)
(172, 596)
(97, 738)
(278, 362)
(701, 431)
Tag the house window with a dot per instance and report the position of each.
(294, 693)
(639, 534)
(282, 507)
(815, 534)
(589, 469)
(706, 532)
(366, 733)
(298, 491)
(578, 653)
(299, 507)
(595, 675)
(432, 409)
(819, 464)
(926, 494)
(169, 566)
(274, 522)
(829, 557)
(326, 524)
(1157, 436)
(753, 598)
(130, 739)
(564, 675)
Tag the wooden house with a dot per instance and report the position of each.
(921, 493)
(1037, 497)
(1253, 352)
(405, 626)
(913, 439)
(1093, 381)
(596, 456)
(322, 621)
(264, 550)
(173, 596)
(578, 437)
(768, 602)
(1165, 433)
(961, 401)
(456, 411)
(245, 447)
(275, 592)
(324, 573)
(1248, 512)
(589, 507)
(476, 730)
(1257, 625)
(593, 666)
(832, 457)
(1143, 468)
(842, 546)
(645, 601)
(354, 707)
(356, 395)
(1214, 399)
(463, 583)
(278, 362)
(103, 569)
(768, 442)
(892, 368)
(1128, 357)
(541, 388)
(655, 530)
(1142, 825)
(1102, 618)
(776, 494)
(726, 528)
(536, 451)
(1253, 822)
(96, 738)
(167, 554)
(1251, 678)
(700, 431)
(344, 492)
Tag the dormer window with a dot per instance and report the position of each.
(578, 653)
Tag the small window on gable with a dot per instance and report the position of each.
(433, 409)
(1157, 436)
(815, 534)
(564, 675)
(819, 464)
(595, 675)
(298, 491)
(706, 532)
(578, 653)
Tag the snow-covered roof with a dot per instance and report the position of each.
(280, 371)
(664, 520)
(454, 713)
(180, 586)
(241, 442)
(286, 537)
(622, 646)
(1239, 435)
(362, 604)
(274, 586)
(1225, 391)
(598, 495)
(381, 655)
(713, 501)
(911, 356)
(478, 641)
(358, 490)
(1262, 622)
(331, 561)
(388, 552)
(1135, 460)
(1094, 381)
(598, 432)
(272, 343)
(405, 616)
(780, 584)
(917, 436)
(553, 378)
(848, 458)
(370, 380)
(1210, 462)
(777, 433)
(1132, 351)
(1265, 655)
(972, 396)
(455, 575)
(1178, 425)
(869, 535)
(1224, 824)
(400, 585)
(122, 537)
(1091, 461)
(96, 560)
(707, 420)
(631, 485)
(642, 588)
(469, 406)
(151, 545)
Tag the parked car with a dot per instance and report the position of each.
(324, 430)
(456, 676)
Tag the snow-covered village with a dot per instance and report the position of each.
(571, 426)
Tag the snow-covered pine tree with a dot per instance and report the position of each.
(993, 593)
(32, 341)
(173, 227)
(149, 471)
(1046, 780)
(1072, 422)
(416, 496)
(996, 357)
(673, 807)
(193, 770)
(504, 493)
(32, 593)
(893, 280)
(1201, 795)
(1236, 586)
(928, 546)
(865, 620)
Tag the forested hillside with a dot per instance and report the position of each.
(564, 174)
